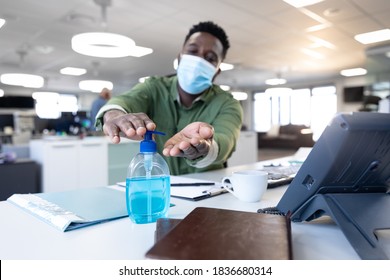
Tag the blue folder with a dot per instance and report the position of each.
(69, 210)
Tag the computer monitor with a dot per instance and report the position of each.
(6, 120)
(347, 176)
(353, 94)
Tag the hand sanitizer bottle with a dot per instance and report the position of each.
(148, 183)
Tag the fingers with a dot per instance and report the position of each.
(132, 126)
(188, 149)
(206, 131)
(112, 132)
(172, 151)
(136, 124)
(203, 147)
(198, 149)
(192, 152)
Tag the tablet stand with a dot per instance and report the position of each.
(357, 214)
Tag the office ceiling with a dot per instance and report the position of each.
(268, 38)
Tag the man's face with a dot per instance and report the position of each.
(206, 46)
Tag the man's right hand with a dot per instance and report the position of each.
(132, 126)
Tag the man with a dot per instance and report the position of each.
(201, 121)
(99, 102)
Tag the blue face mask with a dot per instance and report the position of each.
(195, 74)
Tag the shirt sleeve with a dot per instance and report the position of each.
(227, 126)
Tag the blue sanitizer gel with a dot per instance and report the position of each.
(148, 184)
(147, 198)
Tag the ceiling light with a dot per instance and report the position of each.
(312, 53)
(240, 95)
(318, 27)
(353, 72)
(143, 79)
(331, 12)
(45, 95)
(73, 71)
(373, 37)
(1, 92)
(313, 15)
(24, 80)
(226, 66)
(2, 22)
(95, 85)
(302, 3)
(278, 91)
(322, 42)
(109, 45)
(138, 51)
(101, 44)
(225, 87)
(275, 81)
(44, 49)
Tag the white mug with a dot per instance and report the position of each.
(247, 185)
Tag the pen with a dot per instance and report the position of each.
(195, 184)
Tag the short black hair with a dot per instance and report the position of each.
(213, 29)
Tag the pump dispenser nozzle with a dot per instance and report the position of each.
(148, 144)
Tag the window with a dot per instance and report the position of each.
(49, 105)
(324, 106)
(262, 112)
(301, 106)
(311, 107)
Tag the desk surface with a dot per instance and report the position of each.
(24, 237)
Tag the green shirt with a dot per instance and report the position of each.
(157, 98)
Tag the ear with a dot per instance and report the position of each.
(216, 74)
(178, 59)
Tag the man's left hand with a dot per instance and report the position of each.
(191, 142)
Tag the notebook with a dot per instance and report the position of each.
(212, 234)
(69, 210)
(163, 226)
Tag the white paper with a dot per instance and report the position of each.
(191, 192)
